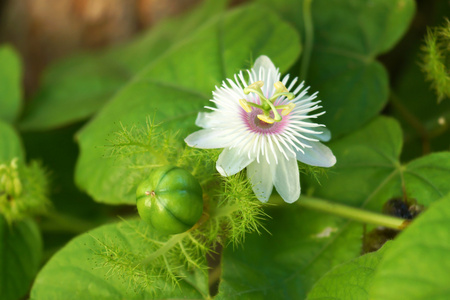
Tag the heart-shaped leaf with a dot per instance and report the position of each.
(80, 270)
(348, 36)
(417, 264)
(351, 280)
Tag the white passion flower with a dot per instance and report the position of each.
(266, 127)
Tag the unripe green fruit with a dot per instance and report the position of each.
(170, 200)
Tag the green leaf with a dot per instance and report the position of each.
(75, 88)
(72, 90)
(11, 145)
(80, 271)
(417, 264)
(305, 244)
(175, 87)
(350, 280)
(20, 257)
(348, 36)
(368, 171)
(301, 247)
(10, 84)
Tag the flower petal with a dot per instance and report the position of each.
(325, 136)
(230, 162)
(287, 179)
(318, 155)
(264, 63)
(203, 119)
(207, 139)
(260, 175)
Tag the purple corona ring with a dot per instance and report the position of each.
(264, 124)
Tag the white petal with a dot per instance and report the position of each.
(263, 62)
(230, 162)
(318, 155)
(207, 139)
(287, 179)
(325, 136)
(203, 119)
(261, 175)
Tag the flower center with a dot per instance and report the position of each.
(255, 124)
(269, 111)
(261, 124)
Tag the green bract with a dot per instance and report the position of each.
(170, 200)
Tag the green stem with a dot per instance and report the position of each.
(276, 115)
(353, 213)
(255, 105)
(309, 39)
(258, 92)
(288, 95)
(175, 239)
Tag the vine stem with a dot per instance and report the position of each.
(309, 39)
(353, 213)
(175, 239)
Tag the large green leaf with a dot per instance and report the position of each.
(368, 171)
(10, 84)
(348, 36)
(350, 280)
(417, 264)
(11, 145)
(305, 244)
(20, 257)
(177, 86)
(301, 247)
(75, 88)
(78, 271)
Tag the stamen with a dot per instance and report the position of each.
(280, 88)
(245, 106)
(256, 85)
(266, 104)
(287, 109)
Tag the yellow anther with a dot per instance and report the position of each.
(244, 105)
(279, 86)
(257, 84)
(266, 119)
(287, 109)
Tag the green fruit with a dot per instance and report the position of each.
(170, 200)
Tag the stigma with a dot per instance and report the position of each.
(270, 112)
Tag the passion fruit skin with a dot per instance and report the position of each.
(170, 200)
